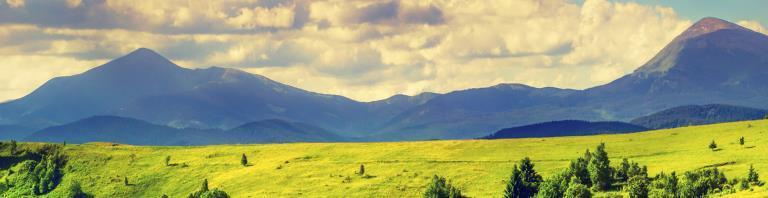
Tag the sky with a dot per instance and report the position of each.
(364, 50)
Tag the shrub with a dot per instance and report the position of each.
(702, 182)
(752, 176)
(362, 170)
(712, 145)
(215, 193)
(440, 188)
(555, 186)
(125, 180)
(665, 185)
(578, 169)
(167, 160)
(744, 184)
(741, 140)
(637, 187)
(244, 160)
(577, 190)
(622, 171)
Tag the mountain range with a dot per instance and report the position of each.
(566, 128)
(689, 115)
(713, 61)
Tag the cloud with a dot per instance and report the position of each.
(15, 3)
(366, 50)
(754, 25)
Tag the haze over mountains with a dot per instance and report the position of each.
(714, 61)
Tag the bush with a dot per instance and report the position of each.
(244, 160)
(440, 188)
(702, 182)
(215, 193)
(577, 190)
(555, 186)
(664, 185)
(712, 145)
(752, 176)
(741, 140)
(637, 187)
(167, 160)
(362, 170)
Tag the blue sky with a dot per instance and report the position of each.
(731, 10)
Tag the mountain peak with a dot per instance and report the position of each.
(139, 60)
(707, 25)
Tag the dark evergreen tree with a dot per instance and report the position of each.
(600, 169)
(204, 187)
(524, 182)
(578, 169)
(623, 170)
(741, 140)
(167, 160)
(215, 193)
(712, 145)
(125, 180)
(362, 170)
(752, 176)
(244, 160)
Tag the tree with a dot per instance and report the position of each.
(712, 145)
(744, 184)
(76, 191)
(244, 160)
(362, 170)
(164, 196)
(555, 186)
(579, 170)
(440, 188)
(215, 193)
(752, 176)
(524, 182)
(666, 185)
(741, 140)
(125, 180)
(637, 187)
(577, 190)
(204, 187)
(167, 160)
(600, 169)
(623, 170)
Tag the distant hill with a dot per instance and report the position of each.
(697, 115)
(14, 132)
(138, 132)
(565, 128)
(275, 131)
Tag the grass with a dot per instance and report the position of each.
(398, 169)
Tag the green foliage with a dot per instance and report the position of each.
(362, 170)
(744, 184)
(712, 145)
(167, 160)
(38, 176)
(524, 182)
(600, 169)
(244, 160)
(752, 176)
(440, 188)
(665, 185)
(578, 169)
(637, 187)
(215, 193)
(577, 190)
(76, 191)
(741, 140)
(125, 180)
(702, 182)
(622, 171)
(164, 196)
(204, 192)
(555, 186)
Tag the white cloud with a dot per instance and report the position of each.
(15, 3)
(365, 50)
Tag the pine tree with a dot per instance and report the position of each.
(637, 187)
(204, 187)
(440, 188)
(362, 170)
(712, 145)
(577, 190)
(125, 180)
(524, 181)
(600, 169)
(741, 140)
(752, 175)
(244, 160)
(167, 160)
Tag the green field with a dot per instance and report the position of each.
(397, 169)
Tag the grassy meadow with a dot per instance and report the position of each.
(397, 169)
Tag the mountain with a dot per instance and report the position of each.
(698, 115)
(138, 132)
(14, 132)
(565, 128)
(713, 61)
(274, 130)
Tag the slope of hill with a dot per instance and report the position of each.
(699, 114)
(565, 128)
(138, 132)
(398, 169)
(14, 132)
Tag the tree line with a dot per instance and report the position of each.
(593, 173)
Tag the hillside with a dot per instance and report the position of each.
(565, 128)
(397, 169)
(138, 132)
(697, 115)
